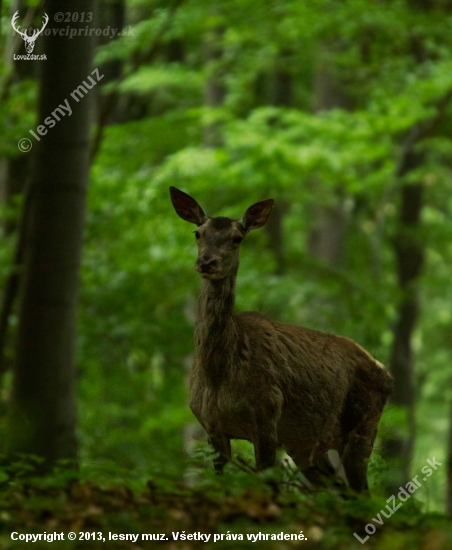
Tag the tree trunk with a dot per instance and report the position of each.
(409, 253)
(113, 15)
(214, 91)
(327, 237)
(14, 172)
(397, 447)
(326, 241)
(275, 237)
(42, 415)
(281, 96)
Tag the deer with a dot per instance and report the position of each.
(274, 384)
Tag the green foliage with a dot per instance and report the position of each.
(139, 289)
(138, 286)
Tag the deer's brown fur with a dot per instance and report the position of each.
(272, 383)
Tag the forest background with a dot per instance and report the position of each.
(340, 111)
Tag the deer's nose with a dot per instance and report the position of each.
(206, 263)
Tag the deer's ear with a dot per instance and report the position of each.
(257, 215)
(186, 207)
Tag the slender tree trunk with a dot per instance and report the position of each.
(410, 258)
(409, 253)
(113, 14)
(281, 96)
(14, 173)
(397, 447)
(215, 90)
(275, 237)
(327, 237)
(42, 416)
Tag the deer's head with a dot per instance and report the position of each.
(219, 239)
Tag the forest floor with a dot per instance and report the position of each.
(224, 512)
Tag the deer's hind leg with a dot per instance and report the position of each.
(222, 446)
(359, 422)
(360, 439)
(357, 451)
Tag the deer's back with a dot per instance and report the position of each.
(298, 355)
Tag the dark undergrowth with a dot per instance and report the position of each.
(123, 510)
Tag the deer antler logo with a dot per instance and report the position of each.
(29, 40)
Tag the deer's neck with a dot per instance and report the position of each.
(215, 333)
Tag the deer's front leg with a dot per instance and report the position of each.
(265, 415)
(265, 445)
(222, 446)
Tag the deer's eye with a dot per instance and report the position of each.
(196, 234)
(237, 240)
